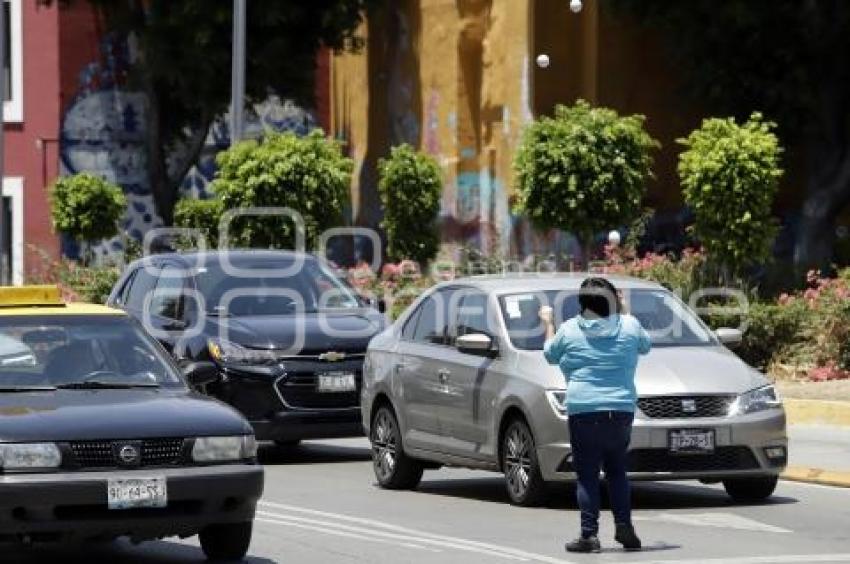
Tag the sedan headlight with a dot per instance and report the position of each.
(756, 400)
(224, 449)
(29, 456)
(558, 401)
(228, 352)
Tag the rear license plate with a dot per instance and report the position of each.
(337, 382)
(137, 492)
(692, 441)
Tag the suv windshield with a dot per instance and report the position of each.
(80, 351)
(308, 289)
(668, 321)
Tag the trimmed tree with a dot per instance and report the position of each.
(86, 207)
(307, 174)
(200, 214)
(730, 175)
(410, 187)
(584, 170)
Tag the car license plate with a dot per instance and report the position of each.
(337, 382)
(692, 441)
(137, 492)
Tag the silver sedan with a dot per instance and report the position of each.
(460, 379)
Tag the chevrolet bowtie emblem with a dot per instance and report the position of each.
(332, 356)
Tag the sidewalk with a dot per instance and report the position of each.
(819, 438)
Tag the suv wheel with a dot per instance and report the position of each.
(523, 480)
(750, 489)
(393, 469)
(226, 542)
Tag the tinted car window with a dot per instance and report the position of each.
(124, 293)
(472, 314)
(435, 318)
(168, 296)
(143, 285)
(409, 329)
(55, 350)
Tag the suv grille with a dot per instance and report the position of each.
(100, 454)
(674, 407)
(300, 390)
(722, 459)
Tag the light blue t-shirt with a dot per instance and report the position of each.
(598, 358)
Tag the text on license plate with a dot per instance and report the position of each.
(127, 493)
(337, 382)
(686, 441)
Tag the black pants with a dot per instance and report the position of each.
(600, 440)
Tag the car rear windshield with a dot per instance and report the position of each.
(273, 288)
(61, 350)
(668, 321)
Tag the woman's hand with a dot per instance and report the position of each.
(547, 316)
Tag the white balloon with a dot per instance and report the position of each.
(614, 238)
(543, 60)
(575, 6)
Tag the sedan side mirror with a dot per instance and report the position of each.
(200, 373)
(476, 343)
(730, 337)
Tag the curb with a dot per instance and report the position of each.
(801, 411)
(817, 476)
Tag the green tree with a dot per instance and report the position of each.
(200, 214)
(787, 59)
(410, 187)
(86, 207)
(183, 66)
(583, 170)
(730, 175)
(308, 174)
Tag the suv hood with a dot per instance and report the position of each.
(66, 415)
(702, 370)
(339, 331)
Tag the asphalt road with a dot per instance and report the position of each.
(321, 506)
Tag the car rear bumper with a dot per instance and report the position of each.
(73, 505)
(739, 450)
(309, 424)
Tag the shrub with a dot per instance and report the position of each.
(410, 187)
(682, 275)
(730, 174)
(200, 214)
(308, 174)
(583, 170)
(86, 207)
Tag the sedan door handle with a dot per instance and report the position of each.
(443, 375)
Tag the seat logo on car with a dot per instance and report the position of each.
(689, 406)
(332, 356)
(128, 455)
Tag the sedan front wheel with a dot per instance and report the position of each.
(393, 469)
(523, 480)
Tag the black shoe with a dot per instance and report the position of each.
(584, 544)
(626, 536)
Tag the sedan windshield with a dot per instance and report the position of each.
(668, 321)
(266, 288)
(81, 352)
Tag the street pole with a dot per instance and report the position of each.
(237, 93)
(3, 4)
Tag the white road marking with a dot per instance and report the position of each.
(717, 520)
(411, 535)
(342, 534)
(778, 559)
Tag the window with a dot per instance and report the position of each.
(434, 318)
(410, 325)
(124, 294)
(167, 299)
(143, 284)
(12, 61)
(12, 234)
(472, 315)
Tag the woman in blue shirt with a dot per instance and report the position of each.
(597, 352)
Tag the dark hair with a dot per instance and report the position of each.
(599, 296)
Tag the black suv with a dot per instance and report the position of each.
(287, 334)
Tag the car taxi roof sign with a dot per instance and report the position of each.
(17, 296)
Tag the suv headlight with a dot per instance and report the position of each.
(224, 449)
(228, 352)
(558, 401)
(756, 400)
(29, 456)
